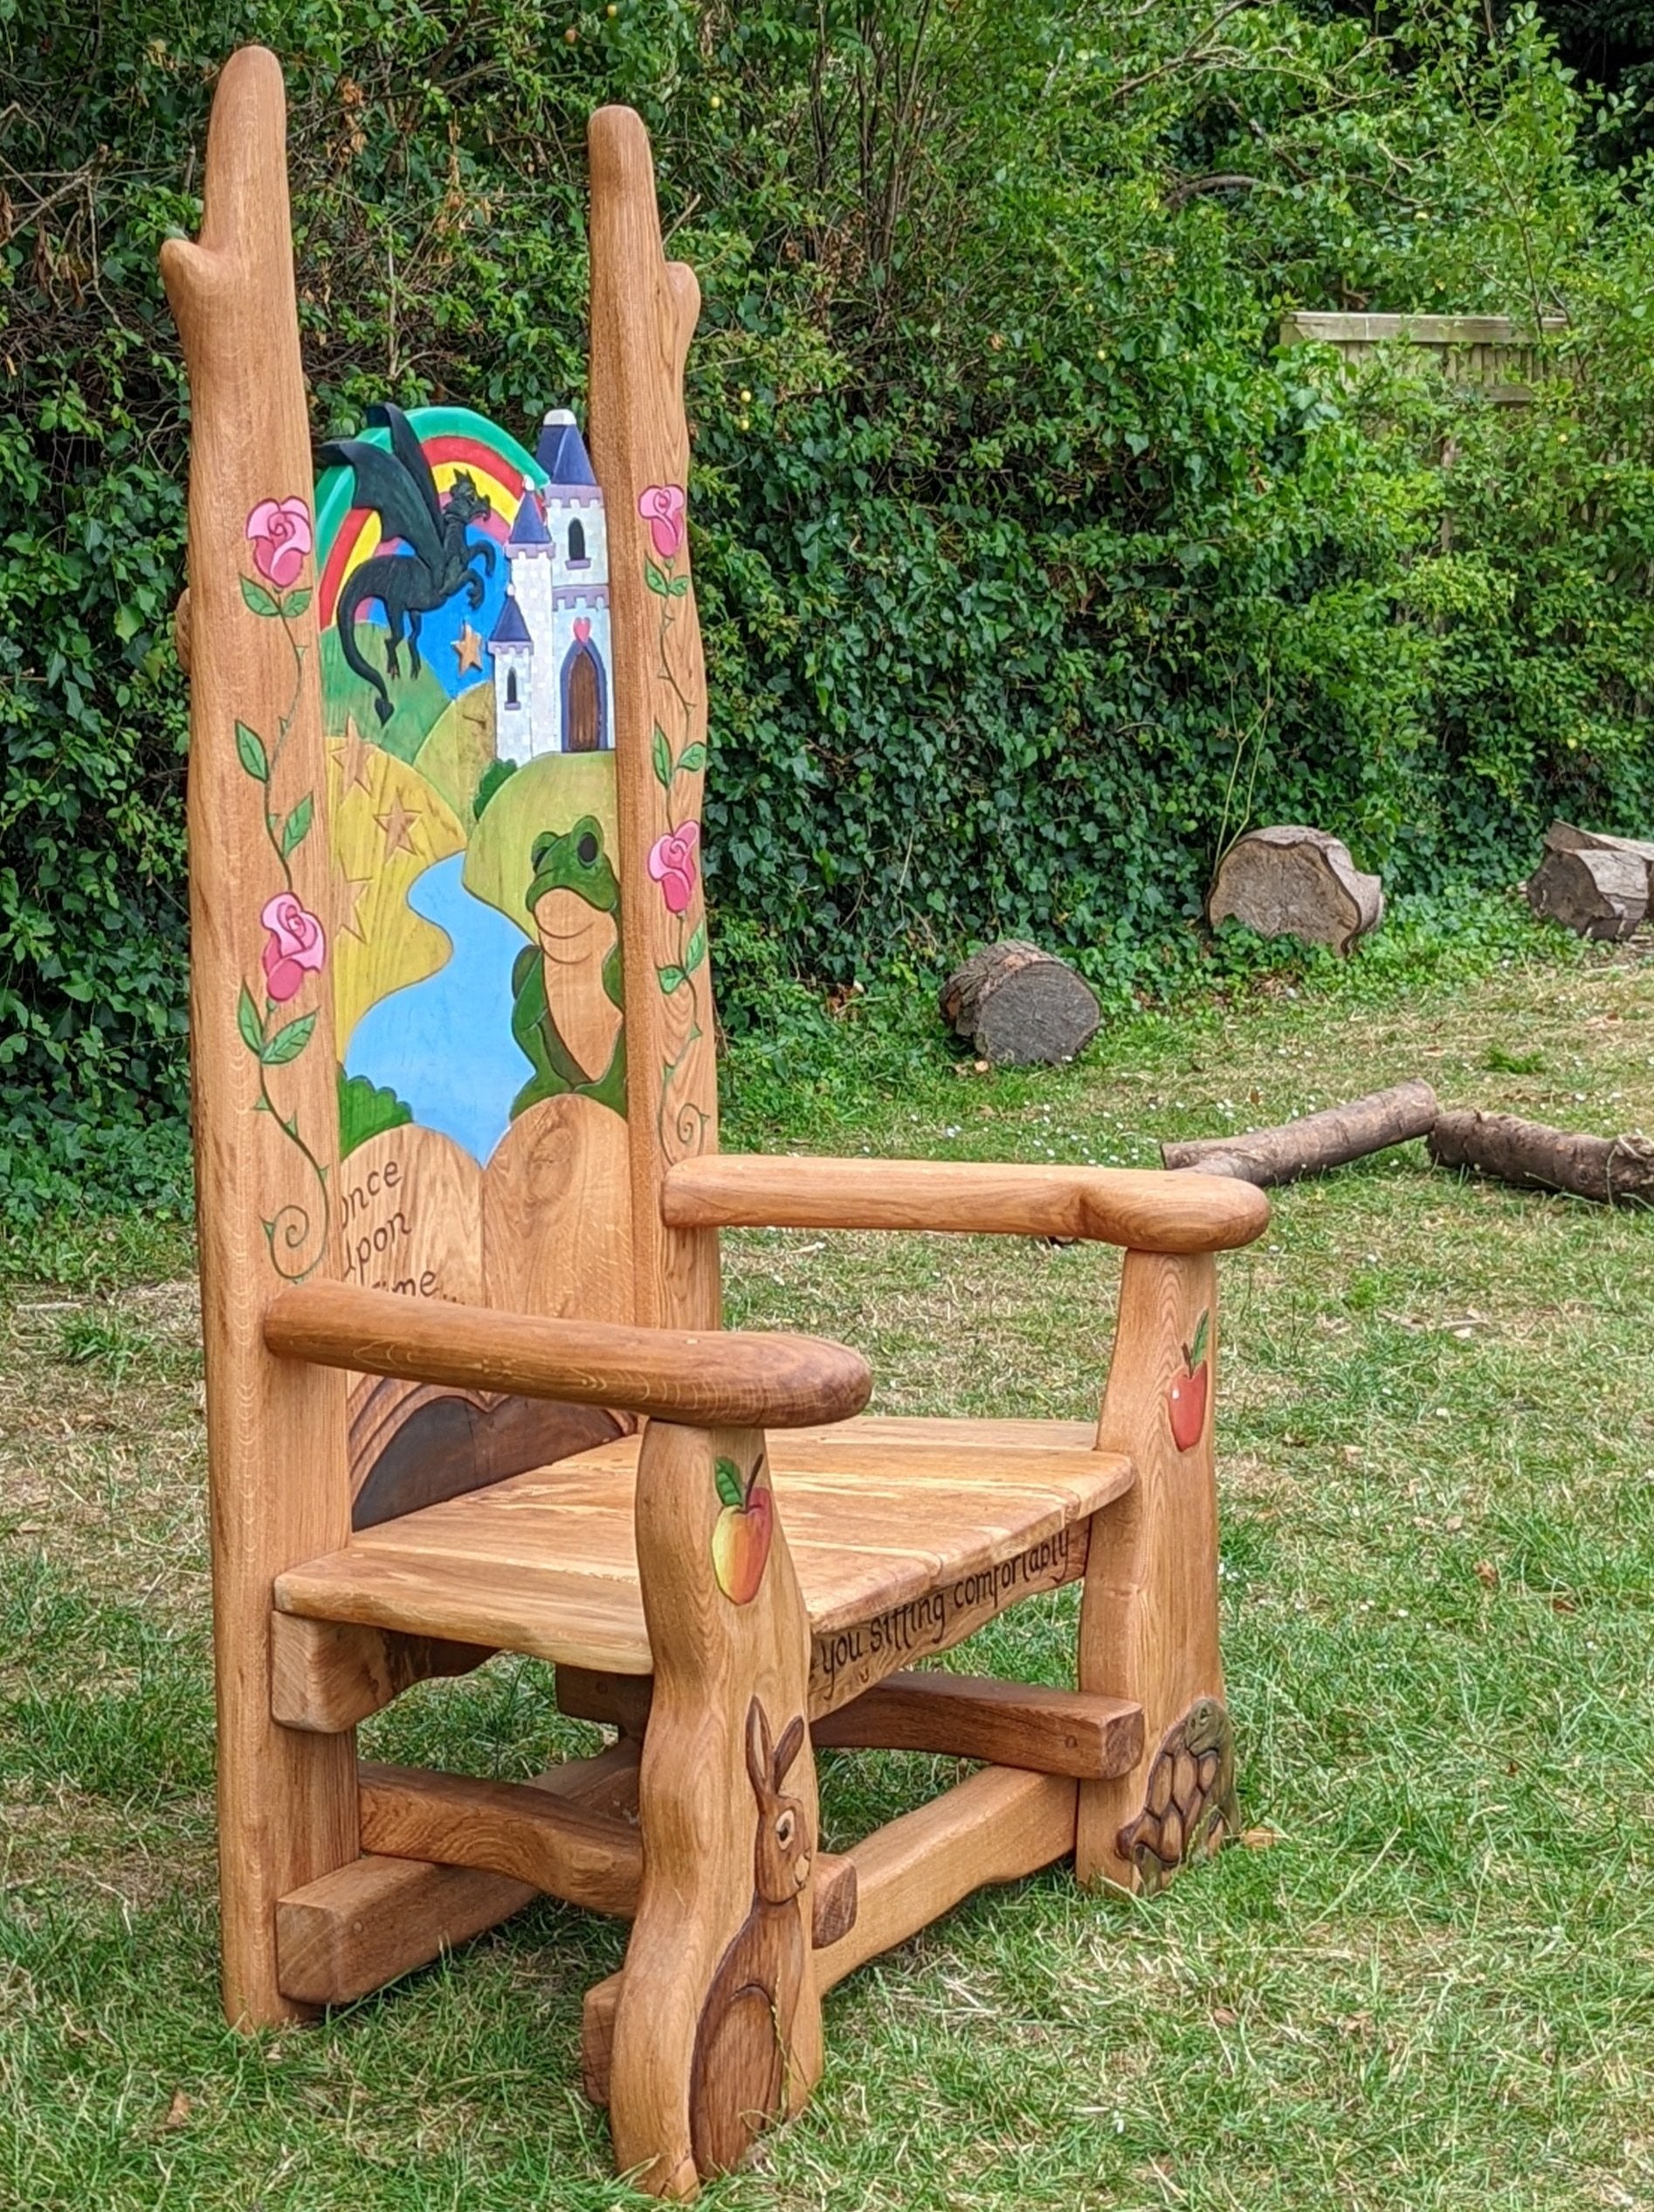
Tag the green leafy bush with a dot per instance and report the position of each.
(1032, 568)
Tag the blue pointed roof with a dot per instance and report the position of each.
(561, 452)
(529, 529)
(510, 629)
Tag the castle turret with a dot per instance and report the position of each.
(551, 646)
(573, 676)
(511, 650)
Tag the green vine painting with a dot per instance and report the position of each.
(295, 945)
(674, 858)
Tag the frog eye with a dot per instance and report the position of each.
(586, 850)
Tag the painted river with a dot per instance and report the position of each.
(443, 1045)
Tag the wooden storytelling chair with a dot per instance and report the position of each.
(467, 1389)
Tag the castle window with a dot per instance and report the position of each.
(576, 541)
(511, 687)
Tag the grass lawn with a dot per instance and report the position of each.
(1428, 1981)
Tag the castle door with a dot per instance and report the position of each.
(585, 717)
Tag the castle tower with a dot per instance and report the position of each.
(511, 650)
(528, 557)
(572, 677)
(551, 646)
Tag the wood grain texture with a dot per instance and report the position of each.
(1020, 1005)
(722, 1932)
(997, 1827)
(597, 2013)
(1314, 1141)
(1143, 1209)
(833, 1907)
(722, 1375)
(1600, 894)
(617, 1700)
(568, 1851)
(860, 1649)
(408, 1221)
(556, 1215)
(834, 1898)
(369, 1923)
(1148, 1621)
(1290, 880)
(900, 1550)
(376, 1918)
(436, 1443)
(644, 311)
(326, 1676)
(1614, 1171)
(275, 1433)
(1008, 1724)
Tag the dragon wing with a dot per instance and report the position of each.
(405, 503)
(405, 446)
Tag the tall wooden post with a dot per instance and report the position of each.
(261, 1027)
(643, 316)
(1148, 1622)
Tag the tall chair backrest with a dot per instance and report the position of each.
(453, 854)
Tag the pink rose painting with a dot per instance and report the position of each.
(672, 863)
(296, 946)
(279, 532)
(661, 506)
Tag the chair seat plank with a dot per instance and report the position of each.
(955, 1518)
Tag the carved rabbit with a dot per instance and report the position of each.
(738, 2083)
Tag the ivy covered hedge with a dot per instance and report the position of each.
(1031, 567)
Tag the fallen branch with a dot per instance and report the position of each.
(1615, 1171)
(1305, 1147)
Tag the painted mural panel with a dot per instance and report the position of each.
(463, 599)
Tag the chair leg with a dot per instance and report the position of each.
(718, 2027)
(1148, 1621)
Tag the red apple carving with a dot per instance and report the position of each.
(741, 1533)
(1186, 1399)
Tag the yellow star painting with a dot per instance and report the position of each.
(388, 826)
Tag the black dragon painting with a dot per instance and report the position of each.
(400, 489)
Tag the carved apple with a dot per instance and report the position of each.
(741, 1535)
(1186, 1398)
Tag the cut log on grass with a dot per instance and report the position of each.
(1020, 1005)
(1599, 894)
(1269, 1156)
(1290, 881)
(1564, 837)
(1615, 1171)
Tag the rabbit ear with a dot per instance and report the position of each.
(758, 1747)
(792, 1741)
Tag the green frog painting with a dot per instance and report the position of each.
(566, 990)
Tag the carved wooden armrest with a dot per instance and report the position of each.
(712, 1376)
(1146, 1210)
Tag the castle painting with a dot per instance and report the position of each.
(467, 694)
(549, 647)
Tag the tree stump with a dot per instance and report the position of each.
(1315, 1141)
(1291, 881)
(1021, 1006)
(1597, 886)
(1615, 1171)
(1564, 837)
